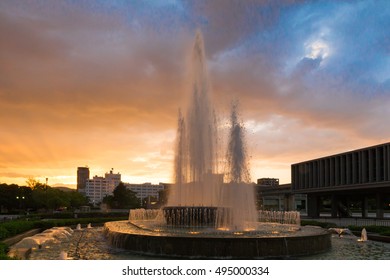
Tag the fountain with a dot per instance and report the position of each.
(210, 213)
(363, 236)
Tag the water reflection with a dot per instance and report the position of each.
(92, 245)
(347, 248)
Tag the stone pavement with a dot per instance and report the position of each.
(84, 244)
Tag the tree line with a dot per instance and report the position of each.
(38, 196)
(122, 198)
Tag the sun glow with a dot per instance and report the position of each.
(317, 49)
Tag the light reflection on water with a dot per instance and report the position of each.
(348, 248)
(90, 244)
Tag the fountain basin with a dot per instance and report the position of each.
(203, 244)
(193, 215)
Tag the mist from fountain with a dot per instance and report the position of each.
(199, 183)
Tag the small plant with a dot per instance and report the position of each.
(3, 252)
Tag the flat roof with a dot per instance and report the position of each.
(344, 153)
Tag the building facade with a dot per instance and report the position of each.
(274, 182)
(146, 190)
(275, 197)
(359, 178)
(99, 187)
(82, 177)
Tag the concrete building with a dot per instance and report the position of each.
(274, 182)
(82, 177)
(98, 187)
(353, 183)
(146, 190)
(275, 197)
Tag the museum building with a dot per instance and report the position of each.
(344, 183)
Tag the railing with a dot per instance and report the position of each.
(343, 222)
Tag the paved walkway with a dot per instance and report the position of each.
(85, 244)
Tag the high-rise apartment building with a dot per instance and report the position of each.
(98, 187)
(82, 177)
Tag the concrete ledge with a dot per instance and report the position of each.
(15, 239)
(378, 237)
(282, 247)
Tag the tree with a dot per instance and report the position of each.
(38, 196)
(122, 198)
(14, 197)
(35, 184)
(77, 199)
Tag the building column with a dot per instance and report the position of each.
(355, 168)
(378, 164)
(364, 207)
(332, 169)
(364, 167)
(293, 177)
(348, 159)
(335, 206)
(370, 166)
(379, 206)
(360, 167)
(337, 170)
(313, 175)
(313, 207)
(289, 204)
(386, 158)
(327, 165)
(385, 164)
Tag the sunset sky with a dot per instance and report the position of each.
(99, 83)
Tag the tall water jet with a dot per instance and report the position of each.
(200, 195)
(196, 176)
(238, 193)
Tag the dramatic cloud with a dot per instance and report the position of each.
(99, 83)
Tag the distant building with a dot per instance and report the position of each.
(274, 182)
(99, 187)
(272, 196)
(82, 177)
(146, 190)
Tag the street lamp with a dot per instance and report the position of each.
(20, 199)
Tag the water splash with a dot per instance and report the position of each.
(198, 181)
(237, 195)
(196, 175)
(237, 159)
(363, 236)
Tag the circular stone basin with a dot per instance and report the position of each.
(271, 241)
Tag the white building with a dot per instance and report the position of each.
(146, 189)
(98, 187)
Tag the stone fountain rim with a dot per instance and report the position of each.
(220, 247)
(221, 235)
